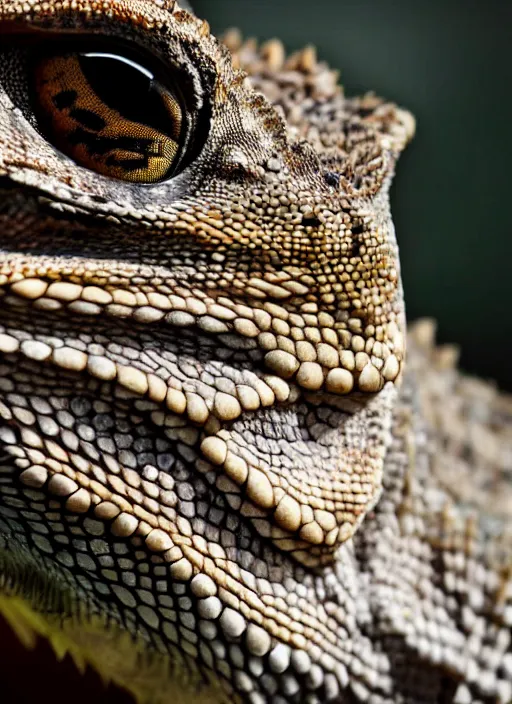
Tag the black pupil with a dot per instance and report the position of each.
(125, 86)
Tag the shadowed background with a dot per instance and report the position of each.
(449, 62)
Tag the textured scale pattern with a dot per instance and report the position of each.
(218, 479)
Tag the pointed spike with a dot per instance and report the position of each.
(233, 39)
(304, 60)
(204, 29)
(273, 54)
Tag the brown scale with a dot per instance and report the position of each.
(97, 136)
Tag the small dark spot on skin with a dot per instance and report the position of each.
(332, 178)
(311, 221)
(64, 99)
(88, 119)
(354, 250)
(357, 229)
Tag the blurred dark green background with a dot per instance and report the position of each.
(450, 63)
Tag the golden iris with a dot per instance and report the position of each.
(109, 114)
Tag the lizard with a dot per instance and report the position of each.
(221, 477)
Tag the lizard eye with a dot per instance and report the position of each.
(109, 114)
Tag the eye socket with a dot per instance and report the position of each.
(109, 114)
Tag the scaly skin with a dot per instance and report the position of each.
(216, 478)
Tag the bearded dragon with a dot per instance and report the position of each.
(221, 477)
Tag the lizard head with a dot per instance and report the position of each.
(266, 268)
(222, 268)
